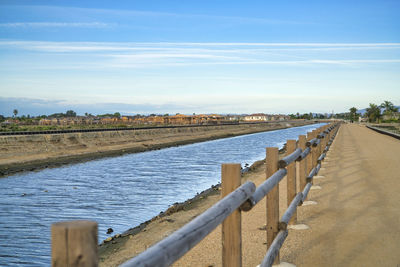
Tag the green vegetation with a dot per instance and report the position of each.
(353, 116)
(373, 113)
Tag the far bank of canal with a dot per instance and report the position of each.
(118, 192)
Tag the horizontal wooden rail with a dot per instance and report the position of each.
(304, 154)
(170, 249)
(322, 157)
(311, 142)
(316, 143)
(274, 249)
(283, 223)
(283, 163)
(311, 174)
(305, 191)
(263, 189)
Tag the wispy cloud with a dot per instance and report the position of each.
(131, 13)
(113, 55)
(56, 25)
(221, 47)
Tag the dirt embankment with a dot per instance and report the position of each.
(30, 152)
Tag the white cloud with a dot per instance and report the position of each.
(126, 55)
(129, 46)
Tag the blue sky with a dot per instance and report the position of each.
(198, 56)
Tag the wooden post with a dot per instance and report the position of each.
(272, 198)
(291, 178)
(309, 157)
(314, 150)
(74, 243)
(302, 163)
(232, 225)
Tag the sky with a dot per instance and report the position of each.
(197, 56)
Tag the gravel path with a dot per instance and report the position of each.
(357, 219)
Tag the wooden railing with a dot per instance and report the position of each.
(75, 242)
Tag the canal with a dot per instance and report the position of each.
(118, 192)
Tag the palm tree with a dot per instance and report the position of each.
(353, 114)
(373, 113)
(389, 108)
(15, 112)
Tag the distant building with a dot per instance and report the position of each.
(256, 117)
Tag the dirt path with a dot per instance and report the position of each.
(357, 219)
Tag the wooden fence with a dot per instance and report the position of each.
(74, 243)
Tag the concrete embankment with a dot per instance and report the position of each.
(30, 152)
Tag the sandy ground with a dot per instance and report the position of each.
(356, 221)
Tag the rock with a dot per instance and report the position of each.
(108, 239)
(109, 231)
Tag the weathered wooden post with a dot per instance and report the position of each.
(272, 199)
(314, 150)
(74, 243)
(309, 157)
(232, 225)
(302, 163)
(291, 178)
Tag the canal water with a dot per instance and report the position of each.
(119, 192)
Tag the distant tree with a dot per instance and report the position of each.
(389, 108)
(117, 115)
(70, 113)
(373, 113)
(2, 118)
(353, 114)
(15, 112)
(307, 116)
(298, 115)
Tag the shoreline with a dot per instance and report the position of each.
(57, 160)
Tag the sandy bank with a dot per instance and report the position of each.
(31, 152)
